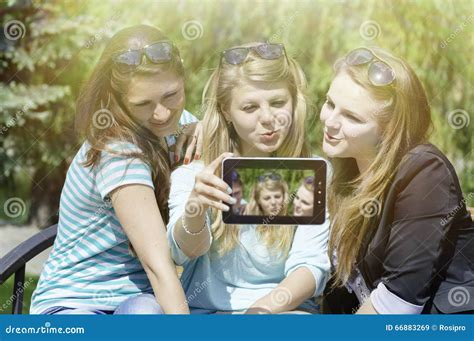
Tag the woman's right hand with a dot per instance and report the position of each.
(209, 190)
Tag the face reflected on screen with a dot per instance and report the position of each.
(275, 191)
(237, 191)
(303, 202)
(238, 194)
(271, 201)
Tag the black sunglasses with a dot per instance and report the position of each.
(272, 176)
(158, 52)
(235, 176)
(238, 55)
(379, 72)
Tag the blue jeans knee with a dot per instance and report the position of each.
(141, 304)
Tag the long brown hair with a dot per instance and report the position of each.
(103, 117)
(355, 200)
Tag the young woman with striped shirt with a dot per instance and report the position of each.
(111, 252)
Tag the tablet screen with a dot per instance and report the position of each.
(276, 191)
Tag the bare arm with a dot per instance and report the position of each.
(193, 245)
(288, 295)
(139, 215)
(367, 308)
(209, 190)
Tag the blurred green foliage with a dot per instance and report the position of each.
(42, 68)
(6, 294)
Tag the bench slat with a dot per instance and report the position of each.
(18, 290)
(20, 255)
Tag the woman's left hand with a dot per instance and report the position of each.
(192, 136)
(258, 311)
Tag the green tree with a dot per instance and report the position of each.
(43, 66)
(43, 56)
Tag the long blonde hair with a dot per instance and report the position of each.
(220, 136)
(356, 199)
(253, 207)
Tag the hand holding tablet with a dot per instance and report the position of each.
(275, 191)
(210, 190)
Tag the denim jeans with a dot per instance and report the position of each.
(140, 304)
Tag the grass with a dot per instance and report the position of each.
(6, 294)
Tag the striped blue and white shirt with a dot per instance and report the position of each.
(90, 265)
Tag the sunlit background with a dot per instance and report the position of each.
(48, 48)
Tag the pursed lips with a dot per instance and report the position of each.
(330, 137)
(270, 133)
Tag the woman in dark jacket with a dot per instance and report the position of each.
(402, 241)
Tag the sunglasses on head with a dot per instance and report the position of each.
(272, 176)
(238, 55)
(379, 72)
(235, 176)
(157, 53)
